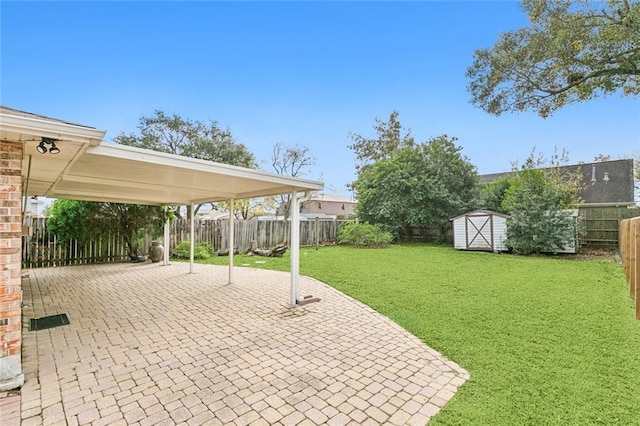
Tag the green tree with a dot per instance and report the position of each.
(534, 200)
(417, 186)
(492, 194)
(248, 208)
(70, 219)
(397, 193)
(391, 136)
(454, 173)
(85, 220)
(572, 51)
(175, 135)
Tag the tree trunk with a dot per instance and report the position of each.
(275, 251)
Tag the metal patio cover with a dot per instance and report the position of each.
(89, 169)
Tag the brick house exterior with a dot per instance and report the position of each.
(10, 269)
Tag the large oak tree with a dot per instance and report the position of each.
(572, 51)
(173, 134)
(402, 184)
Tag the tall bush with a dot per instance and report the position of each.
(363, 235)
(182, 250)
(534, 200)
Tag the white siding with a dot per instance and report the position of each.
(499, 233)
(459, 234)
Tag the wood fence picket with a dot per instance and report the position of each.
(629, 247)
(42, 248)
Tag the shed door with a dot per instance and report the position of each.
(479, 231)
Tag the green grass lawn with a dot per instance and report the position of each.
(548, 341)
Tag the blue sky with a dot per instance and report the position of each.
(305, 73)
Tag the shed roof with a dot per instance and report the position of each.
(481, 212)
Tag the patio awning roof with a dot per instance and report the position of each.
(125, 174)
(89, 169)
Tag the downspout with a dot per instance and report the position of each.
(26, 191)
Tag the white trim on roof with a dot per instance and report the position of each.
(164, 159)
(44, 127)
(480, 213)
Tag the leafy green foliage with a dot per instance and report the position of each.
(175, 135)
(70, 219)
(389, 138)
(417, 186)
(248, 208)
(492, 194)
(530, 229)
(182, 250)
(572, 51)
(82, 220)
(363, 235)
(534, 199)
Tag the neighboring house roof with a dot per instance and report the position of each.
(328, 198)
(212, 215)
(303, 217)
(602, 182)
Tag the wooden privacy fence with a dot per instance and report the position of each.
(601, 223)
(42, 248)
(629, 231)
(265, 233)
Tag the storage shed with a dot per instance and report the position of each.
(480, 230)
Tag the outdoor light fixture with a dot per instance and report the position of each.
(54, 149)
(42, 146)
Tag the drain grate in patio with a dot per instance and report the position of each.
(51, 321)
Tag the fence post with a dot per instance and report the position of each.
(636, 266)
(622, 246)
(633, 257)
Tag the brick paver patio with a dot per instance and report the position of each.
(155, 345)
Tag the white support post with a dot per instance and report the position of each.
(166, 242)
(295, 249)
(231, 238)
(192, 236)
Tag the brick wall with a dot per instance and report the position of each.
(10, 259)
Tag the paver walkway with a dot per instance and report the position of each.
(155, 345)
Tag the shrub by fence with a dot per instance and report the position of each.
(265, 233)
(629, 231)
(42, 249)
